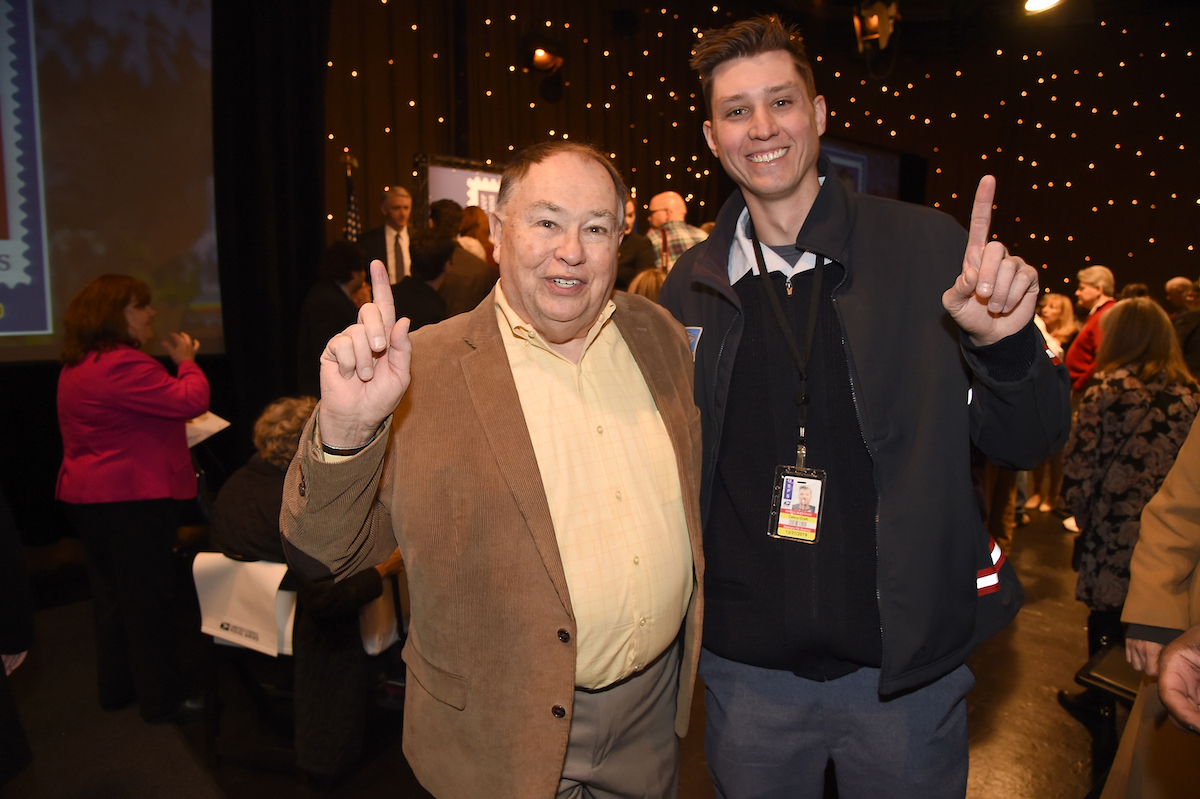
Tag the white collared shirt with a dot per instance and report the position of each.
(741, 254)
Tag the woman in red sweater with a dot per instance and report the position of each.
(125, 464)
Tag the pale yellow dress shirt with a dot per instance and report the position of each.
(610, 476)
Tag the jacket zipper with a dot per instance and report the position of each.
(716, 369)
(863, 436)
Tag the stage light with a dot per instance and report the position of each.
(1038, 6)
(545, 55)
(874, 24)
(545, 61)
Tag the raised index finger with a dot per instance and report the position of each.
(381, 295)
(981, 221)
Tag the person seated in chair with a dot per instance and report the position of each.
(331, 682)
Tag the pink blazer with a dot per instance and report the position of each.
(122, 418)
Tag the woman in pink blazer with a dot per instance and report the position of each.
(125, 464)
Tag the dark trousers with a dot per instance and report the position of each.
(134, 596)
(331, 688)
(1000, 490)
(14, 746)
(770, 734)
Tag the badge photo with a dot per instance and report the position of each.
(796, 505)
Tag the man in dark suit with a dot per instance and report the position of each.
(635, 254)
(390, 241)
(469, 279)
(416, 296)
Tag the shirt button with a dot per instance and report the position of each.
(600, 429)
(559, 711)
(564, 636)
(642, 623)
(303, 486)
(618, 496)
(636, 560)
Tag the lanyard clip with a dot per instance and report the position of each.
(801, 451)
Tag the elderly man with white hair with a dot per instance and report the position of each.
(1095, 295)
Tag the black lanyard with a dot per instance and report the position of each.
(801, 358)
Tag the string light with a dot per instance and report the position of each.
(654, 140)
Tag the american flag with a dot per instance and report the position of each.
(353, 228)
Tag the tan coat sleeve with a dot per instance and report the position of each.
(334, 519)
(1163, 588)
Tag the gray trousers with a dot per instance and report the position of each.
(622, 743)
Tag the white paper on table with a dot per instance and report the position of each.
(240, 602)
(203, 426)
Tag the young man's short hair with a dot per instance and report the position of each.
(341, 260)
(446, 216)
(749, 37)
(430, 251)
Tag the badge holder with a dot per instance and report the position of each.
(796, 502)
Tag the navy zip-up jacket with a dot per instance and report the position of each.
(922, 395)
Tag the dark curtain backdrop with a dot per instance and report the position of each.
(268, 124)
(1087, 115)
(1041, 104)
(268, 99)
(453, 79)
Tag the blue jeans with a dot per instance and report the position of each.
(770, 734)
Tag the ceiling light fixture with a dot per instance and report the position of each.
(874, 24)
(1038, 6)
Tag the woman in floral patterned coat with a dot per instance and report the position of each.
(1134, 417)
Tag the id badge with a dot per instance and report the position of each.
(796, 504)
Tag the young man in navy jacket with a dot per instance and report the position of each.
(845, 640)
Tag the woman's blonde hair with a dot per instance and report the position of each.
(1066, 315)
(277, 431)
(648, 283)
(1138, 330)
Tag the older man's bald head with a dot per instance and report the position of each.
(666, 207)
(1177, 289)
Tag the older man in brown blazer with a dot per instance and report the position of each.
(537, 461)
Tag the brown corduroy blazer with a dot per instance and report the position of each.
(459, 490)
(1164, 584)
